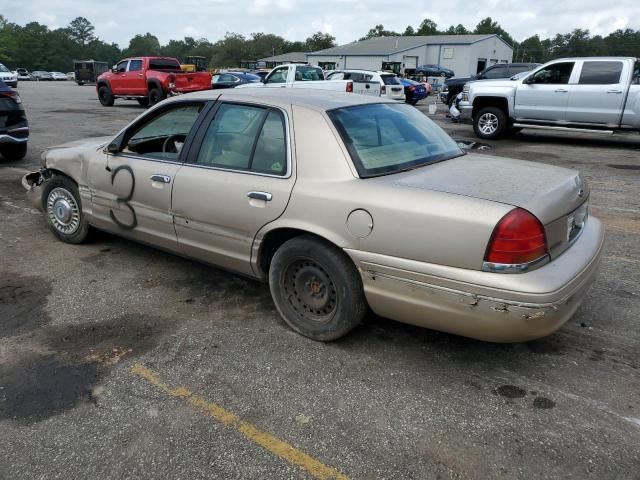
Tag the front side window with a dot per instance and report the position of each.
(122, 66)
(556, 74)
(336, 76)
(245, 137)
(636, 74)
(135, 65)
(163, 136)
(600, 73)
(278, 76)
(388, 138)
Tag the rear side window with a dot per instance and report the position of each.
(309, 74)
(497, 72)
(387, 138)
(636, 74)
(245, 137)
(600, 73)
(135, 65)
(390, 80)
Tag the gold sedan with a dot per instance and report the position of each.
(342, 203)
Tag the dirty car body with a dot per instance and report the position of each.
(308, 192)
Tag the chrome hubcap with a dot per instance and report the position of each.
(488, 123)
(63, 211)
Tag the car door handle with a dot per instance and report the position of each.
(614, 91)
(267, 197)
(561, 90)
(160, 178)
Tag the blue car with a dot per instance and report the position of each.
(14, 129)
(413, 91)
(432, 70)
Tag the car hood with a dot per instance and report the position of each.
(547, 191)
(494, 83)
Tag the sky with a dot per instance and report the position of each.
(347, 20)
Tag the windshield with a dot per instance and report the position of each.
(387, 138)
(3, 68)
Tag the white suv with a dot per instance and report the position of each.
(8, 77)
(390, 85)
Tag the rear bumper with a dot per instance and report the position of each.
(487, 306)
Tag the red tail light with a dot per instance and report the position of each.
(11, 94)
(349, 87)
(412, 88)
(518, 238)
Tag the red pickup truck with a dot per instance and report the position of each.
(148, 80)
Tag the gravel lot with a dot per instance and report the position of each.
(120, 361)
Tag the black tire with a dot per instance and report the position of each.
(13, 151)
(316, 288)
(105, 96)
(490, 123)
(155, 96)
(80, 83)
(63, 210)
(143, 102)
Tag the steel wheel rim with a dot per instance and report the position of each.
(310, 291)
(488, 123)
(63, 211)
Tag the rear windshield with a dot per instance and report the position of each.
(387, 138)
(164, 64)
(390, 80)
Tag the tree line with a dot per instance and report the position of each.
(36, 47)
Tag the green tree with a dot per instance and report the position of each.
(488, 26)
(457, 30)
(409, 31)
(379, 31)
(428, 27)
(143, 45)
(319, 41)
(81, 31)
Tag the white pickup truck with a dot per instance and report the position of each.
(308, 76)
(591, 94)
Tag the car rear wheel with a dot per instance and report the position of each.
(13, 151)
(490, 123)
(316, 288)
(155, 95)
(105, 96)
(63, 210)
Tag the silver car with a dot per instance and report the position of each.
(341, 203)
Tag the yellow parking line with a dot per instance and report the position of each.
(267, 441)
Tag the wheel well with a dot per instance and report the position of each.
(273, 240)
(154, 84)
(498, 102)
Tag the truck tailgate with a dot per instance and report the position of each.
(367, 88)
(192, 82)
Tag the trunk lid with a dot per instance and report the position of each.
(548, 192)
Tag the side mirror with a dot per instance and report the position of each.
(529, 80)
(114, 69)
(113, 148)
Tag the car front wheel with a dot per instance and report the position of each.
(316, 288)
(105, 96)
(490, 123)
(63, 210)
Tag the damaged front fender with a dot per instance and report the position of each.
(33, 184)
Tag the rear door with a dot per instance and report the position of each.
(238, 177)
(598, 96)
(545, 99)
(134, 81)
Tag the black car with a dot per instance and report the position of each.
(233, 79)
(14, 129)
(432, 70)
(453, 86)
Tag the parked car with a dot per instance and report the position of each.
(340, 202)
(453, 86)
(8, 77)
(39, 75)
(432, 70)
(71, 76)
(596, 94)
(14, 128)
(148, 80)
(23, 75)
(390, 85)
(310, 77)
(233, 79)
(59, 76)
(413, 91)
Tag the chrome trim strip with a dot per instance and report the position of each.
(562, 129)
(515, 267)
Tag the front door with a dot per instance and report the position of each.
(238, 177)
(545, 97)
(131, 189)
(599, 95)
(119, 79)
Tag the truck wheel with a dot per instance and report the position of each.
(489, 123)
(155, 95)
(143, 102)
(13, 151)
(63, 210)
(316, 288)
(105, 96)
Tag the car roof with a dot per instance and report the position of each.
(315, 99)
